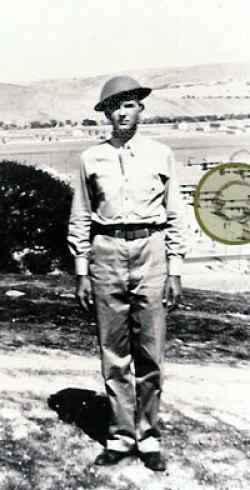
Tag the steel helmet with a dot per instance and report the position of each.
(120, 86)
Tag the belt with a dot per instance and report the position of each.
(128, 232)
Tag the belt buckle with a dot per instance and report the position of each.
(119, 233)
(129, 235)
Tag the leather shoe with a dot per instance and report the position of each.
(154, 461)
(109, 457)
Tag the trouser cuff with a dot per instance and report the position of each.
(149, 445)
(124, 444)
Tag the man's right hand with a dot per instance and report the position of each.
(83, 292)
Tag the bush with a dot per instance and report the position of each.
(37, 261)
(34, 212)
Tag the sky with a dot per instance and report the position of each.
(42, 39)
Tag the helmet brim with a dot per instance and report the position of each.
(139, 93)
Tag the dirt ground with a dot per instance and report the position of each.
(48, 346)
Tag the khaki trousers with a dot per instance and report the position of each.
(128, 279)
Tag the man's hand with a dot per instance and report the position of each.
(173, 292)
(83, 292)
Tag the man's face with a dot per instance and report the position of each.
(124, 114)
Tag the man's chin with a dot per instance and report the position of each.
(125, 129)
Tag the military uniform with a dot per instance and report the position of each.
(126, 233)
(127, 199)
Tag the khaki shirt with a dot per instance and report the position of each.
(133, 184)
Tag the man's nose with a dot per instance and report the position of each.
(122, 111)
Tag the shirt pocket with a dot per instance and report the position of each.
(148, 186)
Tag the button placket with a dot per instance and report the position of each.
(125, 196)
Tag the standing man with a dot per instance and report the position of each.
(126, 235)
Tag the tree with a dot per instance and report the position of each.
(88, 122)
(34, 211)
(36, 125)
(53, 123)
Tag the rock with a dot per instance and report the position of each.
(178, 341)
(13, 293)
(67, 295)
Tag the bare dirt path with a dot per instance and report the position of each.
(223, 391)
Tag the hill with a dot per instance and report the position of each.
(204, 89)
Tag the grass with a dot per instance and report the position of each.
(56, 345)
(40, 452)
(210, 326)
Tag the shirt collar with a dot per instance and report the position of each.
(130, 145)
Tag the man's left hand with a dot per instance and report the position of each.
(173, 292)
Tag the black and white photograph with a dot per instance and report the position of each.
(125, 245)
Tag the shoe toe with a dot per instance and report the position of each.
(101, 459)
(154, 461)
(109, 457)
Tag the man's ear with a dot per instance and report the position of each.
(142, 106)
(107, 114)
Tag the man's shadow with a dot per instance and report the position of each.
(85, 408)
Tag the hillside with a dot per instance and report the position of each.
(206, 89)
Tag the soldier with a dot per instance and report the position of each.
(126, 235)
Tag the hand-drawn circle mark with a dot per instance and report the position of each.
(242, 155)
(222, 203)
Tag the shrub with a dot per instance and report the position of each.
(37, 261)
(34, 211)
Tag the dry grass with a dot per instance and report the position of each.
(43, 341)
(40, 452)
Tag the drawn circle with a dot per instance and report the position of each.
(222, 203)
